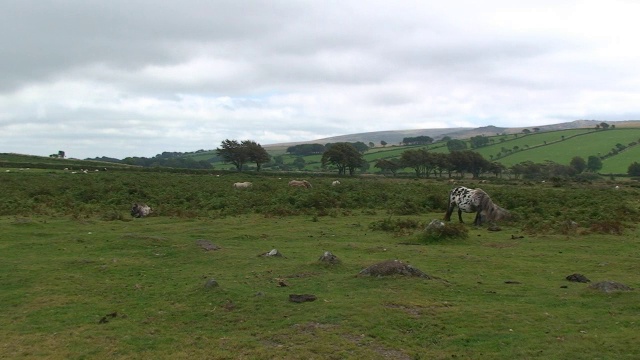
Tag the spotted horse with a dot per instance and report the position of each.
(474, 200)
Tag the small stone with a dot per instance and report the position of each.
(211, 283)
(578, 278)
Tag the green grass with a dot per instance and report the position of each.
(70, 255)
(60, 277)
(592, 143)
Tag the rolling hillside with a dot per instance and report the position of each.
(559, 143)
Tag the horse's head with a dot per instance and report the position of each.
(497, 214)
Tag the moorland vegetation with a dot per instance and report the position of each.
(82, 278)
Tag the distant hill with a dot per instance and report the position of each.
(393, 137)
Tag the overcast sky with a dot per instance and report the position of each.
(136, 78)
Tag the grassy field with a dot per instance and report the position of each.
(593, 143)
(81, 279)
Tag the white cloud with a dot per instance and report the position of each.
(139, 78)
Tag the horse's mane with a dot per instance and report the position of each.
(489, 208)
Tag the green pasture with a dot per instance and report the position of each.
(525, 142)
(593, 143)
(81, 279)
(558, 146)
(619, 163)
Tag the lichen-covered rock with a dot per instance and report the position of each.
(273, 253)
(329, 258)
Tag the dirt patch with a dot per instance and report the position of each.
(207, 245)
(144, 237)
(500, 245)
(312, 327)
(383, 352)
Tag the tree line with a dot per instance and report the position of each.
(316, 149)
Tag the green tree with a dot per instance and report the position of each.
(469, 161)
(383, 143)
(594, 164)
(456, 145)
(578, 164)
(256, 153)
(392, 166)
(634, 169)
(496, 168)
(231, 151)
(418, 160)
(478, 141)
(344, 156)
(299, 163)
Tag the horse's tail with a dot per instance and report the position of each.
(447, 215)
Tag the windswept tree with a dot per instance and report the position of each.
(231, 151)
(256, 153)
(238, 154)
(343, 156)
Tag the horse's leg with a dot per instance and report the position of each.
(478, 219)
(460, 214)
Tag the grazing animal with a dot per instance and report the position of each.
(474, 200)
(140, 210)
(300, 183)
(242, 185)
(335, 183)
